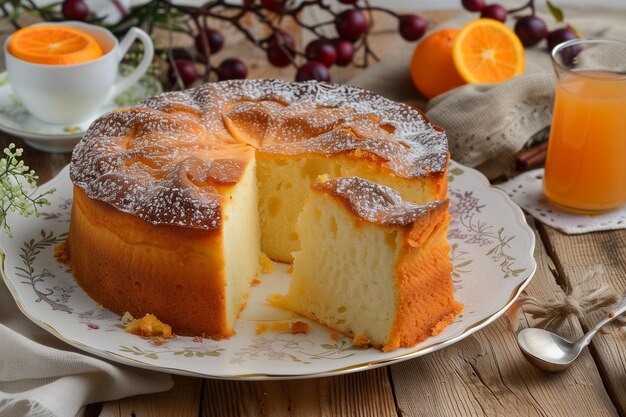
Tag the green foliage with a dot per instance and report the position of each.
(556, 12)
(17, 184)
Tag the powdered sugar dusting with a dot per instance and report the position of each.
(168, 160)
(376, 203)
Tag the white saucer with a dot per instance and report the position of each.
(17, 121)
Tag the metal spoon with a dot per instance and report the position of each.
(553, 353)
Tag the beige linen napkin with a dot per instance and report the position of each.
(487, 123)
(42, 376)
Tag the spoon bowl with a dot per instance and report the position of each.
(547, 350)
(553, 353)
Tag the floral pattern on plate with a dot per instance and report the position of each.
(491, 251)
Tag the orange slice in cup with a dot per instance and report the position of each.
(54, 45)
(487, 51)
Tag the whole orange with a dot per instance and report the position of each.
(432, 66)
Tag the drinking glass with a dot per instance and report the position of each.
(586, 161)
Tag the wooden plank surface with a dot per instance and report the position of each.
(574, 257)
(486, 374)
(362, 394)
(183, 400)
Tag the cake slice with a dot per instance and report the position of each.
(372, 266)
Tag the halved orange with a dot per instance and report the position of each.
(487, 51)
(432, 69)
(54, 45)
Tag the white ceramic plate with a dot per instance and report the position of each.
(16, 120)
(492, 254)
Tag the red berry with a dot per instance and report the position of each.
(75, 10)
(474, 5)
(345, 51)
(232, 69)
(321, 50)
(280, 50)
(566, 55)
(412, 27)
(559, 36)
(494, 11)
(186, 70)
(273, 5)
(313, 71)
(530, 30)
(351, 24)
(215, 40)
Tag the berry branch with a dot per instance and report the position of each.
(530, 29)
(352, 21)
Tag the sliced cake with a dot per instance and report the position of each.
(371, 265)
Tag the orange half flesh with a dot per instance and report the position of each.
(487, 51)
(54, 45)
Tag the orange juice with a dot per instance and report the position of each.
(586, 162)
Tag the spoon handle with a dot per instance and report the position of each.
(615, 311)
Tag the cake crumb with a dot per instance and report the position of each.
(265, 264)
(334, 335)
(255, 282)
(149, 326)
(276, 326)
(299, 327)
(198, 339)
(62, 253)
(261, 328)
(360, 339)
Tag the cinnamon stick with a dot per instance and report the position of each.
(532, 157)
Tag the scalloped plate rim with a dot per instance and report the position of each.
(469, 330)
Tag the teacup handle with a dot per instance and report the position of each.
(148, 53)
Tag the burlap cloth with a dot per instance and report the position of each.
(487, 123)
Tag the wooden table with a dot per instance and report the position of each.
(483, 375)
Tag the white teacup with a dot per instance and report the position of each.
(66, 94)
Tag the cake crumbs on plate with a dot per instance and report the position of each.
(149, 326)
(255, 282)
(299, 327)
(294, 327)
(361, 340)
(62, 253)
(334, 335)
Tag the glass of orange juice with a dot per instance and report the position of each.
(586, 162)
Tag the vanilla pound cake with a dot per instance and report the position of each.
(175, 199)
(371, 265)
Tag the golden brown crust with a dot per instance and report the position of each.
(127, 264)
(373, 202)
(427, 303)
(168, 160)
